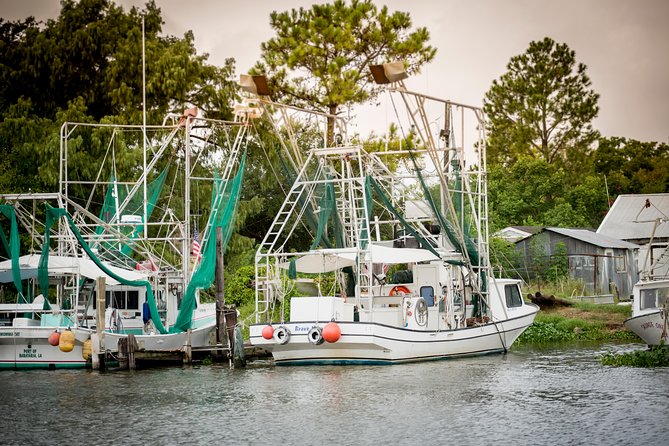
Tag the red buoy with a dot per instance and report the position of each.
(331, 332)
(54, 338)
(267, 332)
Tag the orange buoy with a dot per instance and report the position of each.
(331, 332)
(66, 342)
(54, 338)
(267, 332)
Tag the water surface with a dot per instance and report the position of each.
(558, 395)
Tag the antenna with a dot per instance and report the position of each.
(144, 125)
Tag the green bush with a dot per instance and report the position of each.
(239, 289)
(544, 332)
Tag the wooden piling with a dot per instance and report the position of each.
(132, 346)
(123, 353)
(222, 337)
(98, 344)
(188, 350)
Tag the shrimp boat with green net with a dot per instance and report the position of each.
(400, 255)
(132, 232)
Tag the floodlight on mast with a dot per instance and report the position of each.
(388, 73)
(256, 84)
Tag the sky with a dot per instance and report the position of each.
(623, 43)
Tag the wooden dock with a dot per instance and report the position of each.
(129, 357)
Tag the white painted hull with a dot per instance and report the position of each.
(28, 347)
(651, 327)
(373, 343)
(171, 342)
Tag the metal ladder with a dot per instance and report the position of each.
(265, 287)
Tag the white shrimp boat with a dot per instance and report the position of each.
(650, 303)
(441, 299)
(139, 241)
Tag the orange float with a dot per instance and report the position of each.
(267, 332)
(87, 350)
(66, 342)
(331, 332)
(54, 338)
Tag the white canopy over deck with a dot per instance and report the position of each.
(326, 260)
(60, 265)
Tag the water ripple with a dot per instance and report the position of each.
(529, 396)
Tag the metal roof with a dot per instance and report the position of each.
(632, 217)
(591, 237)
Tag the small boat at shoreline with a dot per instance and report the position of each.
(650, 302)
(650, 298)
(650, 311)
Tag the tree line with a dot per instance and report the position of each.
(547, 164)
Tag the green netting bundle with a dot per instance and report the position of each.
(14, 249)
(225, 198)
(115, 196)
(372, 184)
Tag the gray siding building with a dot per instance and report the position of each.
(606, 266)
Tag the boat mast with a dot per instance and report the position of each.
(144, 218)
(186, 239)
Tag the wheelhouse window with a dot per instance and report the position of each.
(512, 294)
(654, 298)
(120, 299)
(95, 299)
(427, 293)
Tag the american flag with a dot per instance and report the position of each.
(196, 244)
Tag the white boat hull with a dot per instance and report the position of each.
(374, 343)
(28, 347)
(651, 327)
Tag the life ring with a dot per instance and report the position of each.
(420, 312)
(315, 335)
(400, 289)
(281, 335)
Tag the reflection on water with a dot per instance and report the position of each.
(529, 396)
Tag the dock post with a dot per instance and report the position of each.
(123, 353)
(98, 344)
(222, 338)
(95, 351)
(188, 350)
(131, 351)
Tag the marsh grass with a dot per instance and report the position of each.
(653, 357)
(582, 321)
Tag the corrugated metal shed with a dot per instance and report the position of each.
(516, 233)
(631, 217)
(588, 236)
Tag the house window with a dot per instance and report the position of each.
(512, 294)
(621, 265)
